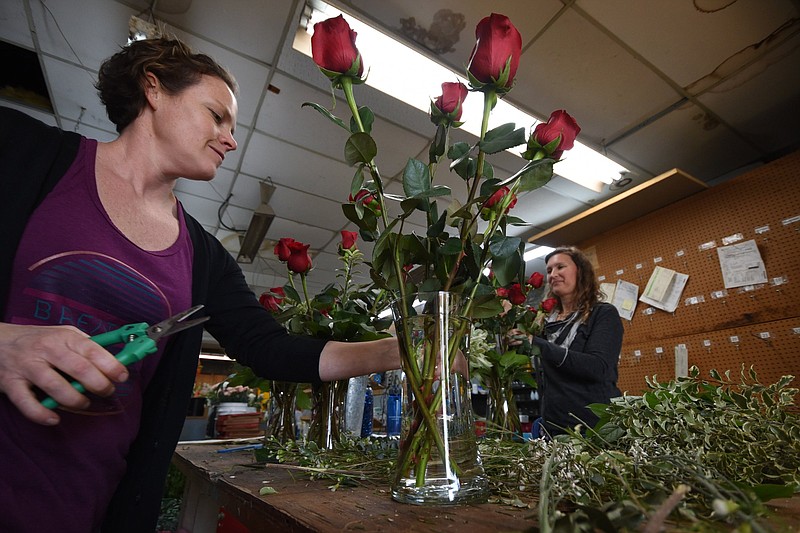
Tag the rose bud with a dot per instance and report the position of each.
(299, 261)
(496, 54)
(536, 280)
(448, 106)
(272, 299)
(349, 239)
(560, 124)
(365, 198)
(515, 294)
(498, 196)
(502, 292)
(548, 304)
(282, 249)
(333, 48)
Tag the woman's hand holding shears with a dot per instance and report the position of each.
(36, 356)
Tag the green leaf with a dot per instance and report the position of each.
(486, 309)
(505, 268)
(438, 146)
(536, 174)
(264, 491)
(358, 181)
(437, 228)
(766, 492)
(416, 178)
(451, 247)
(327, 114)
(367, 119)
(360, 148)
(503, 246)
(502, 138)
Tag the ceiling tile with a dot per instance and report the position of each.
(775, 77)
(689, 140)
(15, 23)
(85, 34)
(622, 92)
(296, 167)
(685, 42)
(75, 92)
(258, 24)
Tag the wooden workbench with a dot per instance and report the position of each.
(232, 481)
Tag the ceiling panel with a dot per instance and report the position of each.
(14, 28)
(689, 139)
(770, 86)
(623, 90)
(684, 41)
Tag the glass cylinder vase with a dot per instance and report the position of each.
(438, 461)
(501, 410)
(326, 413)
(281, 424)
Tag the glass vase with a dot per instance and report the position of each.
(281, 424)
(326, 413)
(438, 461)
(502, 410)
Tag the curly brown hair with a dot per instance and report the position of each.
(121, 80)
(587, 288)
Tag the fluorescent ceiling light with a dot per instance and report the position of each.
(581, 165)
(533, 253)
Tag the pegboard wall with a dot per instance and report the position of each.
(719, 328)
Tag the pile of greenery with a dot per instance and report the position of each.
(690, 454)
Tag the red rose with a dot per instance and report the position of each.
(282, 249)
(272, 299)
(349, 239)
(548, 304)
(536, 280)
(515, 294)
(451, 101)
(559, 123)
(502, 292)
(365, 198)
(498, 195)
(333, 47)
(496, 54)
(299, 261)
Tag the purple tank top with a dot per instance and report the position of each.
(75, 267)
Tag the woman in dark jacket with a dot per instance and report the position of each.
(580, 346)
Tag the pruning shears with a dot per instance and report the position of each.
(140, 341)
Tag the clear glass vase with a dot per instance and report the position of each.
(281, 424)
(438, 461)
(326, 413)
(502, 411)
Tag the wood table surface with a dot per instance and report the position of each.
(232, 482)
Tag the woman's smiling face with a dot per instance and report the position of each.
(562, 275)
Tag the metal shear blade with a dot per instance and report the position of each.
(175, 323)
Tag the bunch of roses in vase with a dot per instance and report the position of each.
(505, 356)
(342, 312)
(433, 306)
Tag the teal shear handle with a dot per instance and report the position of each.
(137, 346)
(140, 341)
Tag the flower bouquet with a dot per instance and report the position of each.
(436, 278)
(343, 312)
(505, 355)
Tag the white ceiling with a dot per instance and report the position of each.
(708, 86)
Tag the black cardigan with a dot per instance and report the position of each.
(33, 157)
(588, 373)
